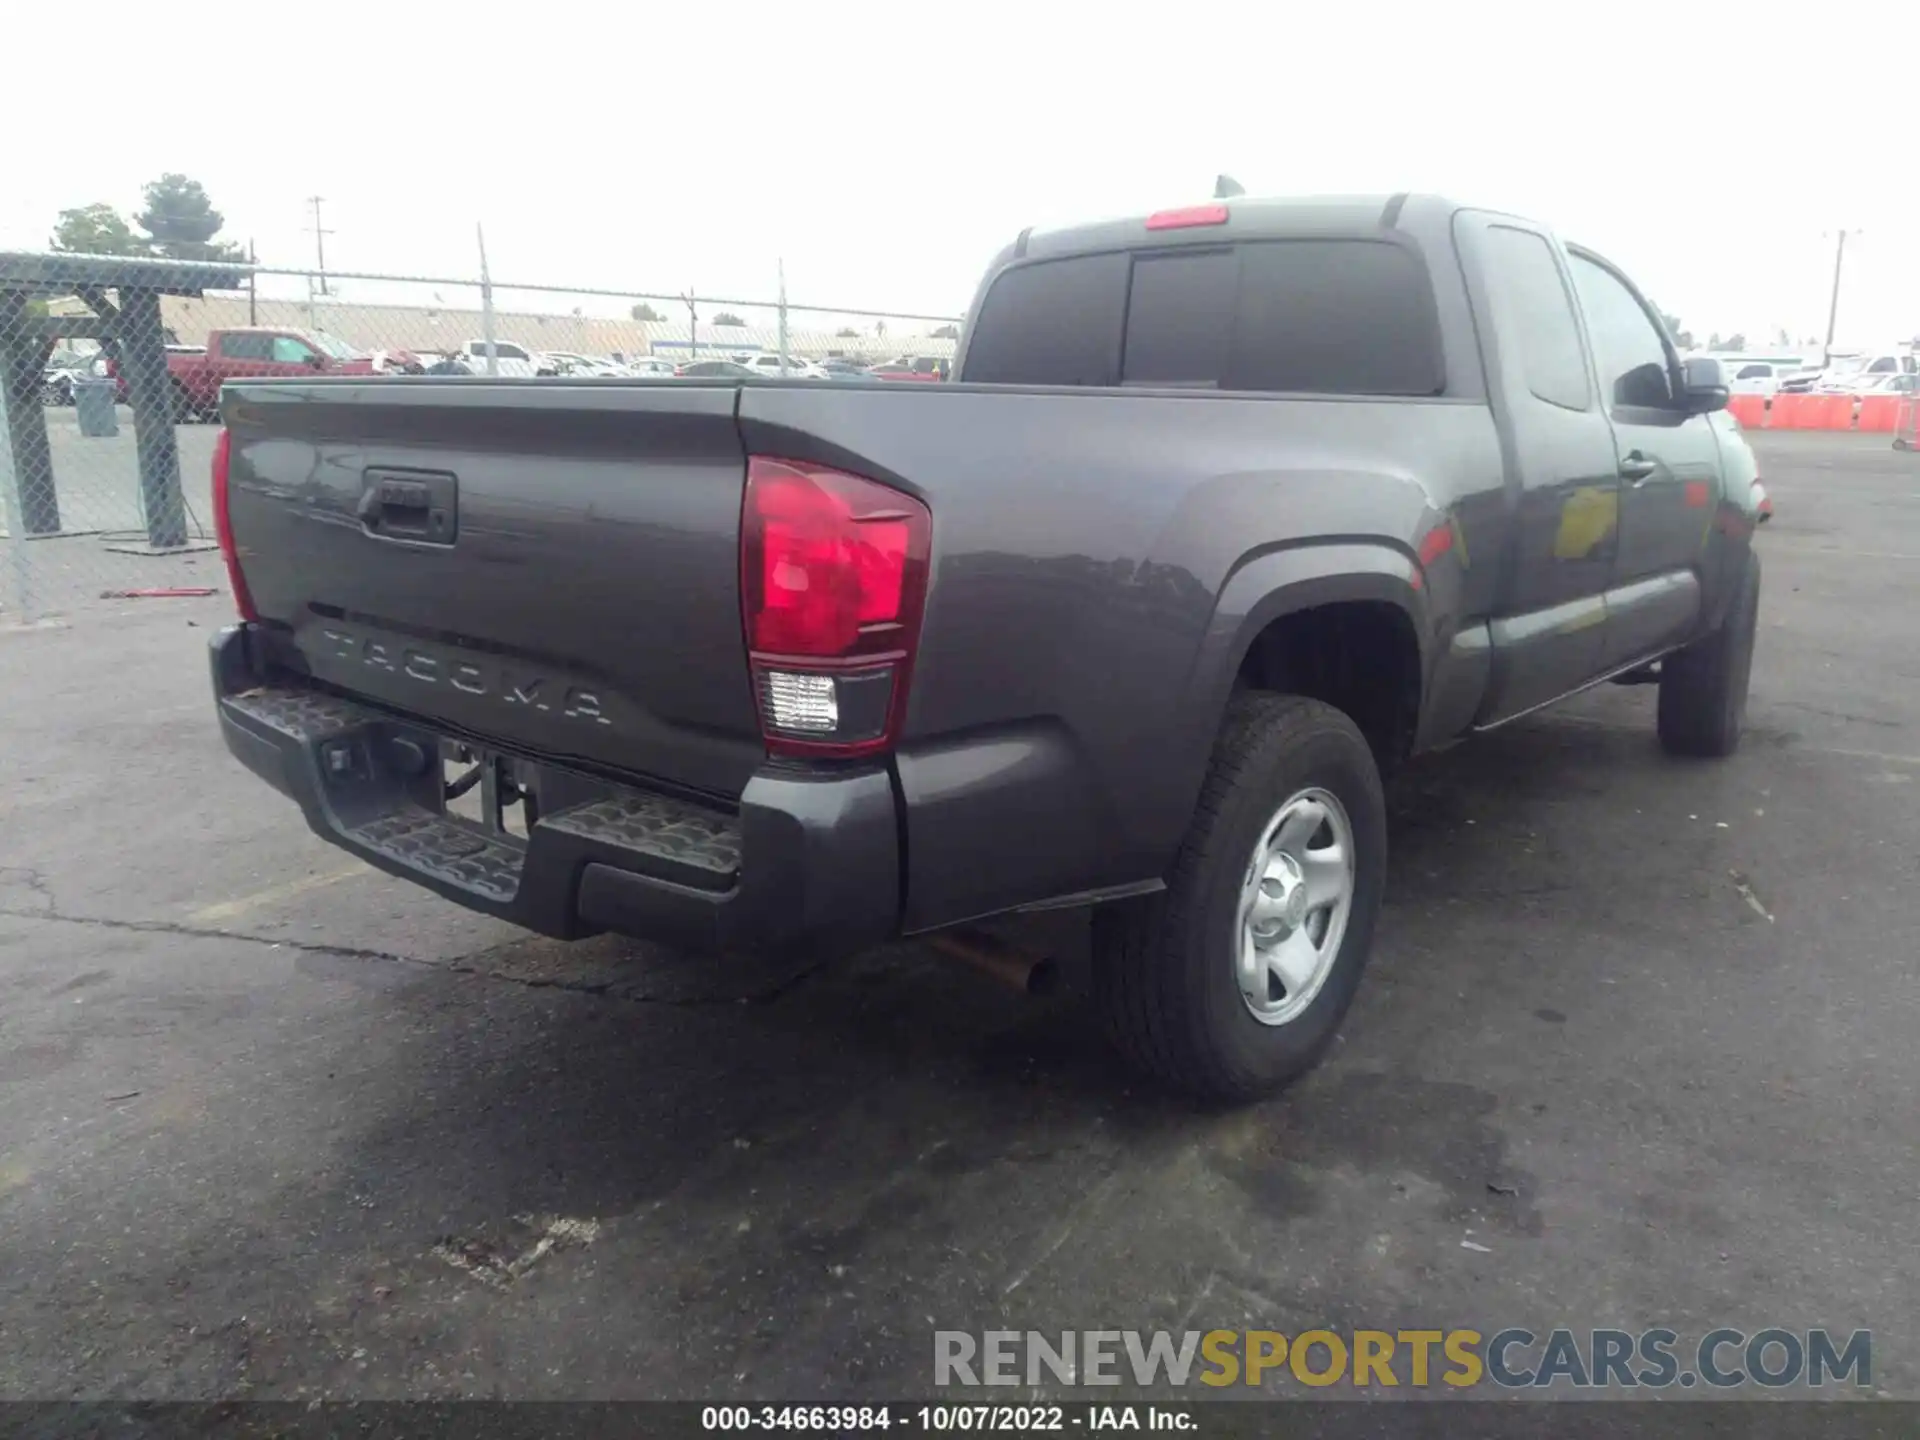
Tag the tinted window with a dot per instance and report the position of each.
(1329, 316)
(1630, 352)
(246, 347)
(289, 351)
(1539, 316)
(1052, 323)
(1754, 372)
(1180, 318)
(1344, 317)
(1885, 365)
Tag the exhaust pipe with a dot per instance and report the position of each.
(991, 956)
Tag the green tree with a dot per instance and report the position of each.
(847, 332)
(645, 314)
(96, 230)
(727, 317)
(947, 332)
(182, 221)
(1736, 342)
(1682, 336)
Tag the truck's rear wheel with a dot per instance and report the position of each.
(1232, 982)
(182, 403)
(1703, 688)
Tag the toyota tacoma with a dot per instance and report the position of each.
(1228, 510)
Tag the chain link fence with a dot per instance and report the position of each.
(112, 371)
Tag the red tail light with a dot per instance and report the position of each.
(223, 526)
(1191, 215)
(833, 579)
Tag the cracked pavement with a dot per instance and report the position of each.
(275, 1125)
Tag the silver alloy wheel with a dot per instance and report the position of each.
(1294, 906)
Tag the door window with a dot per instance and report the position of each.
(1540, 314)
(1635, 370)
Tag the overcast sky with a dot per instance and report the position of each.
(886, 151)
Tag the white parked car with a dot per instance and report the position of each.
(1854, 375)
(1767, 377)
(1883, 384)
(796, 368)
(568, 363)
(651, 365)
(510, 360)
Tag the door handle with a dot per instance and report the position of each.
(419, 508)
(1637, 469)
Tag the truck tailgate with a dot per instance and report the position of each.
(549, 567)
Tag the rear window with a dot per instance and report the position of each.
(236, 346)
(1055, 323)
(1351, 317)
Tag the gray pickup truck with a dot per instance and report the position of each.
(1227, 512)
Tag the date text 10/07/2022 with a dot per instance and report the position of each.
(939, 1418)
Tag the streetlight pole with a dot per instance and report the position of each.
(1833, 305)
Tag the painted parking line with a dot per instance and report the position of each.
(261, 899)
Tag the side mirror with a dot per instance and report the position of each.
(316, 362)
(1703, 385)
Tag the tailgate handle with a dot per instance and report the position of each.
(419, 508)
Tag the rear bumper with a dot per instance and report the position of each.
(806, 860)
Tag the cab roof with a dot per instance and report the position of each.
(1242, 217)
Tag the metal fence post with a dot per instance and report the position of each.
(143, 358)
(17, 571)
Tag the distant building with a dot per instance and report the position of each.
(431, 330)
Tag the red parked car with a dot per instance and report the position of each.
(264, 353)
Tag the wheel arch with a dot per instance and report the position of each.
(1277, 587)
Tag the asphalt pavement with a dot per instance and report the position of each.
(1636, 1049)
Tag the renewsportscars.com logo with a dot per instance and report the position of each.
(1510, 1359)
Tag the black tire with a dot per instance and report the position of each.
(183, 411)
(1703, 688)
(1164, 965)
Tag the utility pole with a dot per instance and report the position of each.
(320, 233)
(486, 301)
(783, 316)
(1833, 305)
(253, 285)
